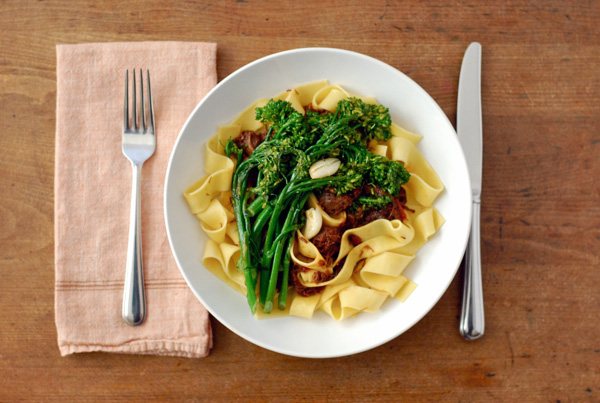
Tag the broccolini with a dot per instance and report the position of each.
(270, 187)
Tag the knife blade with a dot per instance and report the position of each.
(470, 135)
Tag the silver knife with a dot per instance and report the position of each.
(469, 129)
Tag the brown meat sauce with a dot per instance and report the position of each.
(248, 141)
(328, 240)
(334, 204)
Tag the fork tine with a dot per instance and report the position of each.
(126, 104)
(142, 103)
(141, 118)
(134, 107)
(150, 104)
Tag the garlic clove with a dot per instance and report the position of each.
(313, 224)
(324, 168)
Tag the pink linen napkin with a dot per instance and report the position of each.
(92, 193)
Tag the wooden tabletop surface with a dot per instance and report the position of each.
(540, 204)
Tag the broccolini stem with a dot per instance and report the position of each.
(272, 285)
(281, 246)
(299, 208)
(323, 149)
(273, 222)
(311, 184)
(285, 275)
(256, 206)
(245, 262)
(296, 210)
(250, 280)
(261, 220)
(263, 285)
(275, 263)
(238, 197)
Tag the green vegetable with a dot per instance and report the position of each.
(372, 203)
(373, 120)
(388, 174)
(269, 213)
(287, 123)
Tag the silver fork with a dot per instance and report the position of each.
(139, 143)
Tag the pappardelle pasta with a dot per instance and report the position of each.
(314, 200)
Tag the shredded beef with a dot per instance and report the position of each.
(353, 219)
(328, 242)
(393, 211)
(320, 277)
(374, 190)
(402, 196)
(374, 215)
(248, 141)
(338, 267)
(298, 286)
(334, 204)
(354, 239)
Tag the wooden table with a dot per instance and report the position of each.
(540, 204)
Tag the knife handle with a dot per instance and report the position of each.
(472, 318)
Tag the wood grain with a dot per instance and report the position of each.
(540, 204)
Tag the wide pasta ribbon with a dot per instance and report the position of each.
(376, 237)
(328, 97)
(215, 219)
(219, 169)
(247, 119)
(424, 184)
(384, 272)
(307, 255)
(340, 301)
(221, 260)
(426, 222)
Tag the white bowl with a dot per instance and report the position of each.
(411, 107)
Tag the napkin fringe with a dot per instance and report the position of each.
(156, 347)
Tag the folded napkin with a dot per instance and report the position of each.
(92, 193)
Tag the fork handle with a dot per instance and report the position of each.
(134, 299)
(472, 318)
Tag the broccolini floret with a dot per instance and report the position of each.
(372, 203)
(374, 120)
(389, 175)
(362, 166)
(286, 123)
